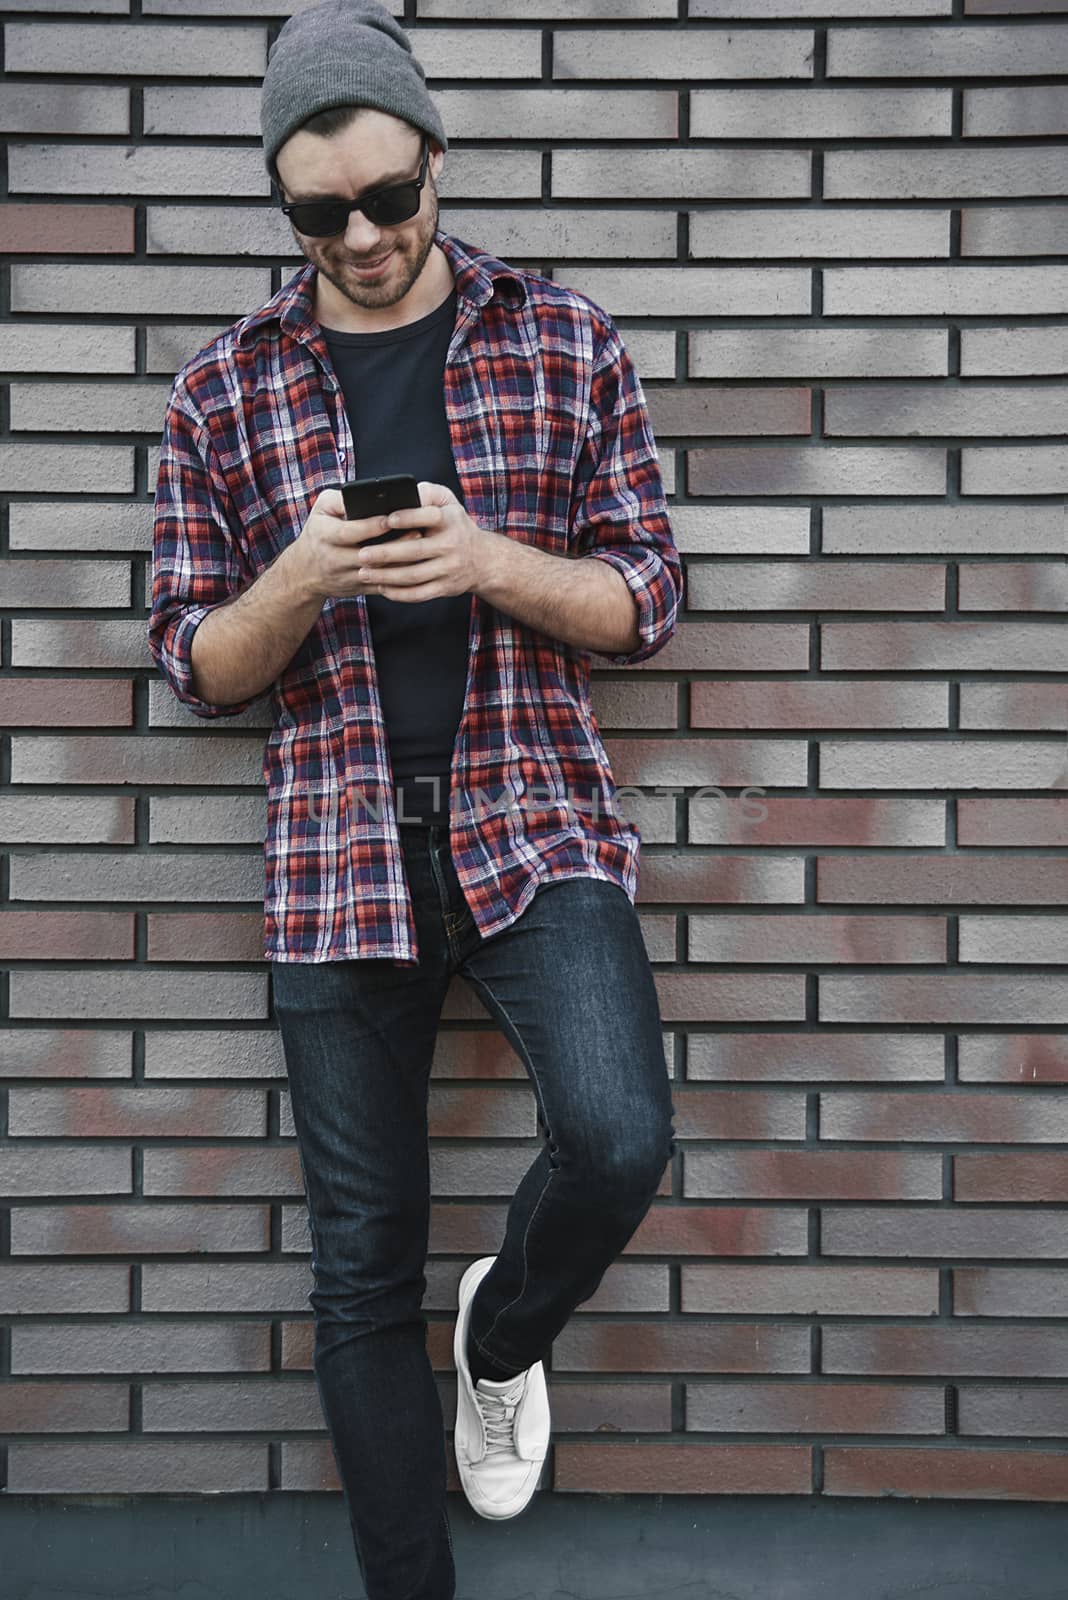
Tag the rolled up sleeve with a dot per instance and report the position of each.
(618, 509)
(195, 566)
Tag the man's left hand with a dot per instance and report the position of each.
(453, 556)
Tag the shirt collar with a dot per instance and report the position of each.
(478, 277)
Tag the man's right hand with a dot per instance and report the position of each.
(327, 549)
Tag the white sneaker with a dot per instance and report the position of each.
(502, 1428)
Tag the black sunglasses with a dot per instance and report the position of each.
(397, 202)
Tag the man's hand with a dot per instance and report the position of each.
(326, 556)
(454, 555)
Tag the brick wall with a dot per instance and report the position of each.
(836, 245)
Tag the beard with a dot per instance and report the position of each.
(411, 247)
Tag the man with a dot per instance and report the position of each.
(439, 799)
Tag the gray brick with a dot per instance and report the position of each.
(138, 1467)
(207, 819)
(132, 758)
(551, 10)
(97, 526)
(1014, 586)
(67, 347)
(209, 1053)
(1002, 1057)
(567, 231)
(165, 710)
(1035, 939)
(114, 6)
(1036, 469)
(65, 819)
(129, 290)
(82, 1168)
(89, 407)
(944, 174)
(815, 586)
(688, 53)
(695, 291)
(1014, 231)
(79, 644)
(1039, 109)
(818, 353)
(938, 764)
(652, 350)
(121, 875)
(52, 468)
(66, 1053)
(177, 1407)
(1008, 352)
(819, 9)
(493, 175)
(34, 1288)
(183, 1172)
(212, 112)
(37, 108)
(818, 231)
(170, 345)
(943, 647)
(163, 49)
(230, 8)
(680, 410)
(460, 1172)
(963, 291)
(33, 582)
(295, 1238)
(256, 1285)
(629, 705)
(140, 992)
(522, 113)
(742, 530)
(139, 1111)
(816, 471)
(820, 113)
(943, 530)
(224, 230)
(143, 1346)
(135, 169)
(926, 52)
(1014, 707)
(917, 409)
(477, 52)
(690, 174)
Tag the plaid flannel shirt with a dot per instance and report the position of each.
(553, 447)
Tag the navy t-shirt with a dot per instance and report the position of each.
(394, 395)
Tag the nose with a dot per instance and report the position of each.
(362, 236)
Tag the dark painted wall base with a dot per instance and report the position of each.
(564, 1547)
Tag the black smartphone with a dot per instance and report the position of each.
(377, 497)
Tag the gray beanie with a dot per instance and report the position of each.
(342, 52)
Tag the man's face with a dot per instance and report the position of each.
(373, 151)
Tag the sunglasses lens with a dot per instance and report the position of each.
(398, 204)
(319, 220)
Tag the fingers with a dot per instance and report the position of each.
(425, 517)
(435, 494)
(331, 502)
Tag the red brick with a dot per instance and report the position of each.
(66, 936)
(66, 702)
(40, 228)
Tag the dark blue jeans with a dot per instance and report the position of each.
(570, 985)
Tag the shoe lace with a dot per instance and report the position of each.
(498, 1414)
